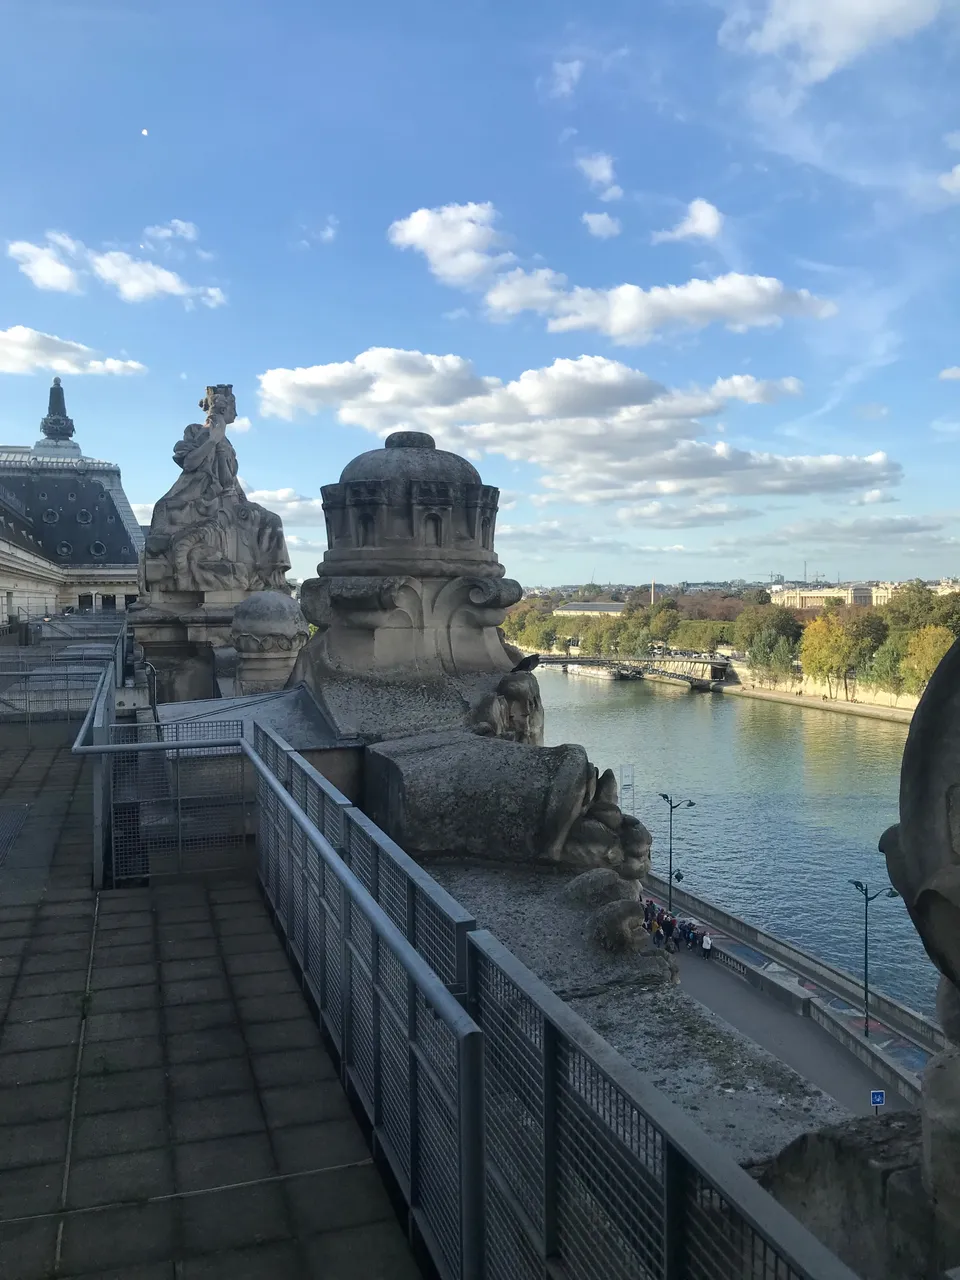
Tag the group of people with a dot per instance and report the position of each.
(671, 934)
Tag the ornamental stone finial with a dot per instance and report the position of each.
(56, 425)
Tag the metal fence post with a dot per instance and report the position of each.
(176, 758)
(413, 1098)
(346, 984)
(675, 1179)
(470, 1052)
(550, 1065)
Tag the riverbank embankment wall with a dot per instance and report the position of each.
(849, 694)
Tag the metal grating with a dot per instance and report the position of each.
(12, 818)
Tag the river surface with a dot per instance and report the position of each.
(789, 806)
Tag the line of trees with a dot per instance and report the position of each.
(894, 648)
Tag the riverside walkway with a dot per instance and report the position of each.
(167, 1108)
(798, 1041)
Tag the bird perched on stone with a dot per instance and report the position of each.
(527, 664)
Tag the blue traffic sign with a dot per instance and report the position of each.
(878, 1097)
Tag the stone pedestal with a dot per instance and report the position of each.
(268, 631)
(940, 1111)
(183, 646)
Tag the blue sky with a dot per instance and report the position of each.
(680, 276)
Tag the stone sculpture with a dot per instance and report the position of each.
(923, 860)
(514, 711)
(206, 538)
(267, 632)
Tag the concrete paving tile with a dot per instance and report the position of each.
(191, 970)
(279, 1261)
(276, 1008)
(195, 991)
(223, 1161)
(67, 907)
(274, 1070)
(66, 1004)
(272, 961)
(16, 929)
(118, 902)
(109, 1056)
(123, 976)
(169, 917)
(79, 930)
(119, 999)
(28, 1249)
(37, 1066)
(104, 957)
(376, 1251)
(188, 949)
(270, 1037)
(198, 1119)
(281, 982)
(121, 1091)
(37, 1143)
(242, 944)
(234, 1218)
(13, 949)
(28, 1191)
(74, 962)
(202, 1046)
(29, 1102)
(8, 915)
(209, 1079)
(57, 942)
(132, 937)
(338, 1199)
(319, 1146)
(305, 1104)
(240, 909)
(147, 1271)
(198, 931)
(198, 1017)
(122, 1024)
(135, 1175)
(119, 1238)
(50, 1033)
(249, 924)
(114, 926)
(112, 1133)
(48, 984)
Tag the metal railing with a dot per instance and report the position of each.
(523, 1144)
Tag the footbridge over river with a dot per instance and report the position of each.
(696, 670)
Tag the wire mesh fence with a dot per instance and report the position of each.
(177, 811)
(589, 1173)
(433, 921)
(52, 682)
(408, 1051)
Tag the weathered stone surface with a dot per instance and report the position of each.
(618, 926)
(267, 632)
(856, 1186)
(514, 711)
(205, 535)
(940, 1111)
(602, 885)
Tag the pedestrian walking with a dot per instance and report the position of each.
(707, 946)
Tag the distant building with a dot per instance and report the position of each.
(68, 535)
(585, 609)
(946, 587)
(817, 597)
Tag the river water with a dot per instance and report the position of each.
(789, 806)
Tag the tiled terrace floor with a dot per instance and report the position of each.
(167, 1108)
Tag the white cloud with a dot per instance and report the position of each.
(134, 279)
(564, 78)
(872, 498)
(547, 538)
(44, 267)
(630, 315)
(950, 182)
(599, 172)
(175, 229)
(952, 374)
(24, 350)
(667, 515)
(328, 232)
(873, 412)
(601, 225)
(751, 390)
(818, 38)
(457, 240)
(291, 506)
(240, 426)
(143, 511)
(598, 430)
(597, 169)
(703, 221)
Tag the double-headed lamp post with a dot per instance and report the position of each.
(674, 804)
(864, 890)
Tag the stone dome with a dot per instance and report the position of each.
(410, 456)
(268, 613)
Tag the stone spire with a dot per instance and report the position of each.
(56, 425)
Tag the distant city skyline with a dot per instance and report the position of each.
(681, 280)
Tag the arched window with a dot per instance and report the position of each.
(365, 531)
(485, 533)
(432, 529)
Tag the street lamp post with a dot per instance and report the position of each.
(674, 804)
(864, 890)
